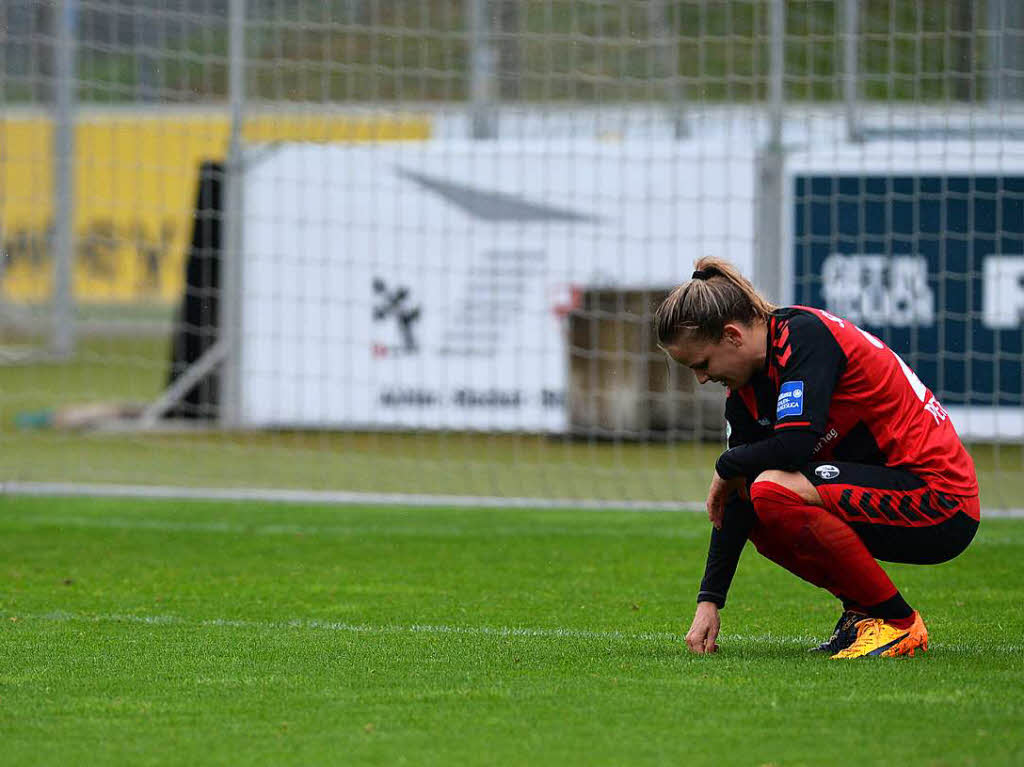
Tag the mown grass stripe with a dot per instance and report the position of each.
(314, 624)
(393, 529)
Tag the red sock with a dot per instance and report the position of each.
(818, 547)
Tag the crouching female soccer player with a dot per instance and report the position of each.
(838, 456)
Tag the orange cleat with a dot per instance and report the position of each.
(876, 637)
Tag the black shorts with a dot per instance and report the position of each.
(897, 515)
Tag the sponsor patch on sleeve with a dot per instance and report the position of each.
(791, 400)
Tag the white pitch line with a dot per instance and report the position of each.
(327, 497)
(513, 632)
(349, 628)
(334, 498)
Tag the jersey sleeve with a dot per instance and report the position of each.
(742, 425)
(810, 362)
(724, 550)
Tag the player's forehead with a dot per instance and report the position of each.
(690, 352)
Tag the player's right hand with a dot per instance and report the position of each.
(718, 494)
(715, 503)
(703, 633)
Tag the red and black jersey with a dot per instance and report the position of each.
(850, 397)
(832, 392)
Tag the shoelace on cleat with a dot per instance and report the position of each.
(867, 630)
(871, 631)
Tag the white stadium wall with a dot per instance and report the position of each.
(426, 285)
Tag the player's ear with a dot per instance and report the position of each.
(732, 334)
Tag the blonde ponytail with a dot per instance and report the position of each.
(716, 295)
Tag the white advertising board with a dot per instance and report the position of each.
(425, 285)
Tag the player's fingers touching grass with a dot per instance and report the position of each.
(703, 634)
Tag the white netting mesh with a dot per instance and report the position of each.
(457, 217)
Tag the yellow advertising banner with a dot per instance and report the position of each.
(135, 188)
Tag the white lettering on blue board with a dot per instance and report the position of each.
(1003, 292)
(879, 290)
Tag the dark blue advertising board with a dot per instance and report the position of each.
(931, 264)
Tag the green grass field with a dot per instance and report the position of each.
(171, 633)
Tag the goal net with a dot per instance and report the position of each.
(414, 248)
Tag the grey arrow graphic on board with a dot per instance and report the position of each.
(488, 205)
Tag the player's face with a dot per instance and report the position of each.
(728, 362)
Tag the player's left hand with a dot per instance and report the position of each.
(700, 639)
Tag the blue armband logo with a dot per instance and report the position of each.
(791, 400)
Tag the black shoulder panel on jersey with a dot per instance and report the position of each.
(808, 362)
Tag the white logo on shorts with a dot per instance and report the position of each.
(827, 471)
